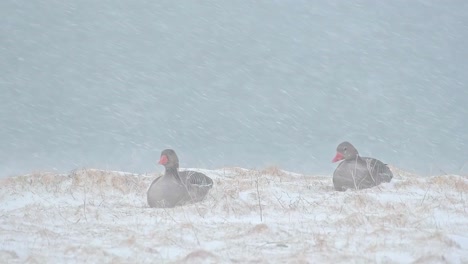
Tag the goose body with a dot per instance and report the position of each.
(355, 172)
(176, 188)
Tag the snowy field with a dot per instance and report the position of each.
(267, 216)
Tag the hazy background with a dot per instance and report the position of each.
(109, 84)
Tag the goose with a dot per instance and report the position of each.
(356, 172)
(176, 188)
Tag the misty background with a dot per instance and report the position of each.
(109, 84)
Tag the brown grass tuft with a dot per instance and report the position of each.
(99, 180)
(260, 228)
(129, 241)
(6, 255)
(408, 183)
(273, 171)
(431, 259)
(459, 183)
(200, 256)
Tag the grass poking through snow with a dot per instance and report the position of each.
(249, 216)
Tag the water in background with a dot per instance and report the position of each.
(109, 84)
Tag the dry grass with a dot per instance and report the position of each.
(249, 216)
(200, 256)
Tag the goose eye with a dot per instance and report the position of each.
(344, 148)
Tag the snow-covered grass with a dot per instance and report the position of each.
(266, 216)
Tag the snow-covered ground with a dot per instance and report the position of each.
(267, 216)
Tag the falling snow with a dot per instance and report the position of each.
(109, 84)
